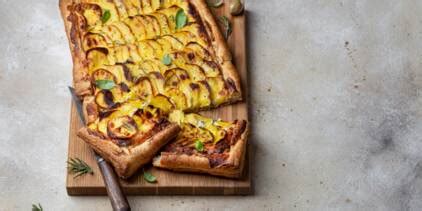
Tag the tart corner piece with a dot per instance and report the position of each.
(125, 160)
(225, 158)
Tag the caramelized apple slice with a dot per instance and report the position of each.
(149, 66)
(97, 57)
(185, 88)
(157, 81)
(93, 41)
(181, 74)
(207, 124)
(92, 14)
(134, 53)
(158, 50)
(199, 50)
(125, 30)
(219, 92)
(132, 7)
(146, 6)
(177, 97)
(165, 44)
(122, 127)
(137, 27)
(196, 73)
(143, 88)
(103, 74)
(162, 102)
(175, 43)
(105, 99)
(118, 54)
(211, 69)
(121, 9)
(150, 26)
(145, 50)
(164, 25)
(184, 37)
(171, 80)
(114, 33)
(204, 94)
(155, 5)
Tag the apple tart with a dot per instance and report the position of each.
(137, 61)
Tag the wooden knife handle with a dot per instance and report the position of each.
(114, 191)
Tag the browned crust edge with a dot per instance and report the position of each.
(81, 81)
(233, 167)
(127, 161)
(220, 45)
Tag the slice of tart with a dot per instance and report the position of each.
(206, 146)
(128, 136)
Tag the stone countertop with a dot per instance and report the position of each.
(335, 106)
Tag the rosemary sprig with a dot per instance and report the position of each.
(37, 207)
(78, 167)
(224, 21)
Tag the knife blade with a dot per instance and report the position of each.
(117, 198)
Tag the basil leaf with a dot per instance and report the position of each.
(166, 59)
(106, 16)
(105, 84)
(149, 177)
(199, 146)
(215, 3)
(181, 19)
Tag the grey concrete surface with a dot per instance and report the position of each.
(335, 104)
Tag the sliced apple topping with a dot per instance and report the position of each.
(96, 58)
(146, 6)
(121, 9)
(178, 98)
(206, 123)
(143, 88)
(137, 27)
(132, 7)
(103, 74)
(219, 93)
(175, 43)
(199, 50)
(105, 99)
(92, 14)
(122, 127)
(91, 41)
(157, 81)
(162, 102)
(204, 94)
(125, 30)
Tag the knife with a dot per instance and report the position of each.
(114, 191)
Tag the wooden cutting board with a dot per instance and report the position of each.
(171, 183)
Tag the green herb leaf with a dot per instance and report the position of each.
(37, 207)
(199, 146)
(106, 16)
(215, 3)
(149, 177)
(181, 19)
(78, 167)
(224, 21)
(166, 59)
(105, 84)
